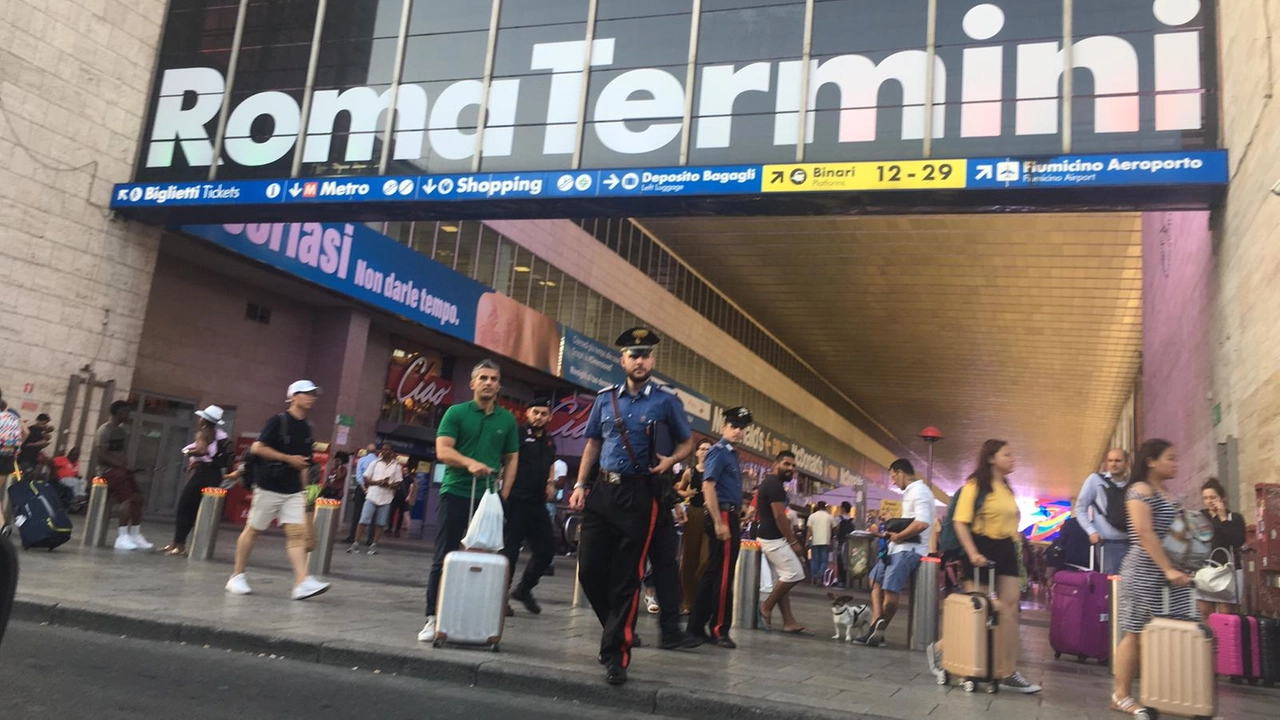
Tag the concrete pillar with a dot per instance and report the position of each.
(336, 362)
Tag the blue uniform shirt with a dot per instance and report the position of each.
(649, 405)
(721, 465)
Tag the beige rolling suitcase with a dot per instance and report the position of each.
(974, 647)
(1178, 668)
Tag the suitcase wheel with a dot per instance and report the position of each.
(1057, 655)
(969, 686)
(493, 647)
(993, 688)
(1081, 658)
(437, 643)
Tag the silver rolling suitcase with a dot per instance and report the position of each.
(473, 598)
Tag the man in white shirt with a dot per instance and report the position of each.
(381, 478)
(820, 524)
(1095, 511)
(892, 575)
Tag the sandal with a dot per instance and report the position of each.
(1126, 705)
(173, 550)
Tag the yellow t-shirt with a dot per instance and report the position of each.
(997, 518)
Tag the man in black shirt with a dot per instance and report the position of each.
(38, 438)
(525, 501)
(282, 455)
(779, 543)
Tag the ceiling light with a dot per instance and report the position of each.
(547, 283)
(522, 268)
(448, 228)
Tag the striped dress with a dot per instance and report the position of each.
(1143, 585)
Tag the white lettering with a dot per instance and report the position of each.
(564, 59)
(175, 126)
(721, 86)
(616, 108)
(365, 107)
(285, 117)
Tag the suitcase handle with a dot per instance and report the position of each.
(977, 582)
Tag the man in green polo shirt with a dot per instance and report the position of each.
(479, 442)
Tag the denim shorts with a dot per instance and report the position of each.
(375, 514)
(895, 571)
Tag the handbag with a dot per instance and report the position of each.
(1217, 578)
(1187, 542)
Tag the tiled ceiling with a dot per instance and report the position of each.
(1021, 327)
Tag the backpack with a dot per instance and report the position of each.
(1117, 513)
(948, 541)
(249, 464)
(10, 433)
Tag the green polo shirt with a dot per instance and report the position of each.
(481, 437)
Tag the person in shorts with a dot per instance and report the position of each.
(122, 484)
(380, 481)
(778, 541)
(283, 456)
(891, 577)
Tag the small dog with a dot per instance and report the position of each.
(848, 617)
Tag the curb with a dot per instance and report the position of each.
(637, 696)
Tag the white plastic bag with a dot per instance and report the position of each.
(485, 531)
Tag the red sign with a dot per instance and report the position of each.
(569, 417)
(414, 388)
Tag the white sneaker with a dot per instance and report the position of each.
(309, 588)
(238, 585)
(355, 547)
(141, 542)
(428, 632)
(651, 604)
(124, 542)
(373, 549)
(934, 659)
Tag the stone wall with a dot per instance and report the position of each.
(74, 75)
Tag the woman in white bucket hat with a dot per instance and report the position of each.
(207, 459)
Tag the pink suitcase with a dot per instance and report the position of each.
(1239, 646)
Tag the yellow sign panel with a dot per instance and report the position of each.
(875, 175)
(890, 508)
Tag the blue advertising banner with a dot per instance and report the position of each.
(362, 264)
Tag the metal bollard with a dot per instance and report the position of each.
(95, 523)
(1116, 633)
(923, 623)
(325, 527)
(6, 512)
(746, 591)
(204, 536)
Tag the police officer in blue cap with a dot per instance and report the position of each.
(623, 509)
(722, 487)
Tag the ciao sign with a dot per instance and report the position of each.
(569, 417)
(414, 387)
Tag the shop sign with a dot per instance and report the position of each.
(415, 388)
(569, 417)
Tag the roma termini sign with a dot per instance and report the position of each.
(616, 83)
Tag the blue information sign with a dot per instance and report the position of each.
(1203, 168)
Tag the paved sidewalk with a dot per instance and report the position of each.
(371, 617)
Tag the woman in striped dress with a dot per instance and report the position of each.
(1147, 571)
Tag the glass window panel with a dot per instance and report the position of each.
(274, 53)
(861, 112)
(985, 121)
(522, 273)
(487, 255)
(617, 9)
(737, 81)
(519, 13)
(468, 238)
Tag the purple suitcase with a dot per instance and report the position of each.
(1239, 650)
(1080, 615)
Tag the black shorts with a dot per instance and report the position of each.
(1002, 553)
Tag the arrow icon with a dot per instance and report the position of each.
(294, 190)
(428, 186)
(612, 181)
(984, 172)
(777, 177)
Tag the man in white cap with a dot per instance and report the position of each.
(282, 454)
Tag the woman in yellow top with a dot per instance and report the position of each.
(986, 521)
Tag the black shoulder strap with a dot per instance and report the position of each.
(622, 431)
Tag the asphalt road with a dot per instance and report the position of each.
(51, 672)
